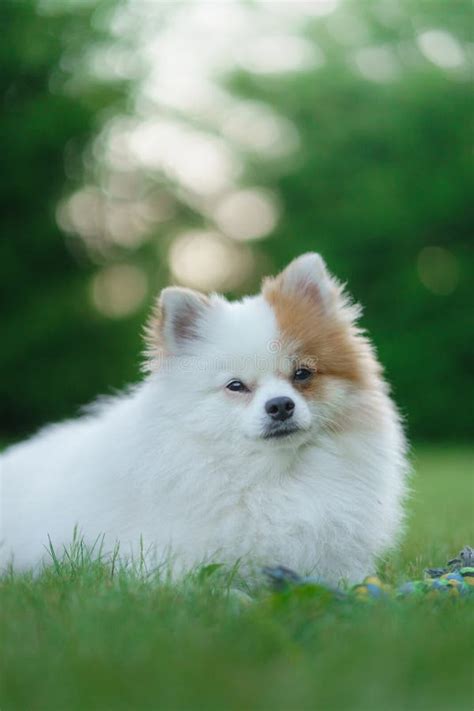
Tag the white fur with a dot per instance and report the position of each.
(177, 466)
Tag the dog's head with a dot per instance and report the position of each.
(275, 369)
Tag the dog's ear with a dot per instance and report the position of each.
(176, 321)
(183, 312)
(306, 277)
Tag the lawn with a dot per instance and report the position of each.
(91, 638)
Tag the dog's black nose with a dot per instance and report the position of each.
(280, 408)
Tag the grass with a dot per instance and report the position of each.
(82, 636)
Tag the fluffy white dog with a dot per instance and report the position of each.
(263, 432)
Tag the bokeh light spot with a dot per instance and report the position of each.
(119, 290)
(206, 260)
(280, 54)
(247, 214)
(438, 270)
(255, 127)
(377, 63)
(201, 163)
(441, 48)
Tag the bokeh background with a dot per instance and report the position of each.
(207, 144)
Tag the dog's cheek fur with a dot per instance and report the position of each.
(325, 338)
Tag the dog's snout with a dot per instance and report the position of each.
(280, 408)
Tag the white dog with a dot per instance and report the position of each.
(263, 433)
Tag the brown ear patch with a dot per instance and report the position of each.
(330, 341)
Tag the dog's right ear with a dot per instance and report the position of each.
(177, 321)
(183, 312)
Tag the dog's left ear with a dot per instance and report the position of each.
(176, 322)
(306, 277)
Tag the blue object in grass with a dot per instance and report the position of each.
(455, 580)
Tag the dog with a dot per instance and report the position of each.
(263, 433)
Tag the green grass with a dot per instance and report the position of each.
(82, 637)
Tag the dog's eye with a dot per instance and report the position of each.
(302, 374)
(237, 386)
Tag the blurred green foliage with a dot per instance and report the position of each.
(56, 352)
(386, 170)
(383, 175)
